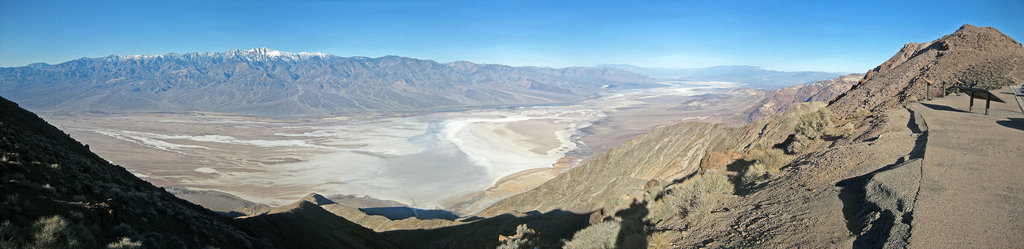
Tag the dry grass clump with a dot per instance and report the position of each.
(692, 198)
(701, 194)
(861, 112)
(600, 235)
(771, 158)
(56, 232)
(809, 126)
(814, 124)
(124, 243)
(766, 164)
(661, 240)
(845, 130)
(754, 173)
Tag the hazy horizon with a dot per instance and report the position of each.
(790, 36)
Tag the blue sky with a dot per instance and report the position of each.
(835, 36)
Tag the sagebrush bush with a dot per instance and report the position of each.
(525, 238)
(124, 243)
(709, 183)
(753, 174)
(660, 240)
(813, 125)
(700, 193)
(769, 158)
(56, 232)
(600, 235)
(693, 198)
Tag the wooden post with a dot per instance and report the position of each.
(928, 89)
(987, 101)
(970, 108)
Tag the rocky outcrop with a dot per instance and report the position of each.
(972, 56)
(779, 100)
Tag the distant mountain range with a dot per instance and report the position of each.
(265, 82)
(750, 75)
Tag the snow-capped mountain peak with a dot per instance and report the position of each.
(255, 54)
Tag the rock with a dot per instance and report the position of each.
(597, 216)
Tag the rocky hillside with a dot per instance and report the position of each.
(58, 194)
(972, 56)
(271, 83)
(668, 154)
(852, 181)
(779, 100)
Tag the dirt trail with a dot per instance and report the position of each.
(972, 186)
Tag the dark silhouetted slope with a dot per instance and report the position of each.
(54, 185)
(58, 194)
(304, 224)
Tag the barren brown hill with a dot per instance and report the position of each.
(972, 56)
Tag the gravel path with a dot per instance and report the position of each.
(972, 187)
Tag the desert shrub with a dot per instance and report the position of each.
(7, 235)
(861, 112)
(660, 240)
(56, 232)
(709, 183)
(124, 243)
(699, 194)
(600, 235)
(845, 130)
(769, 158)
(525, 238)
(753, 174)
(813, 125)
(660, 209)
(809, 126)
(692, 198)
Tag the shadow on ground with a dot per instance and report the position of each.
(1015, 123)
(401, 213)
(553, 226)
(942, 108)
(632, 232)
